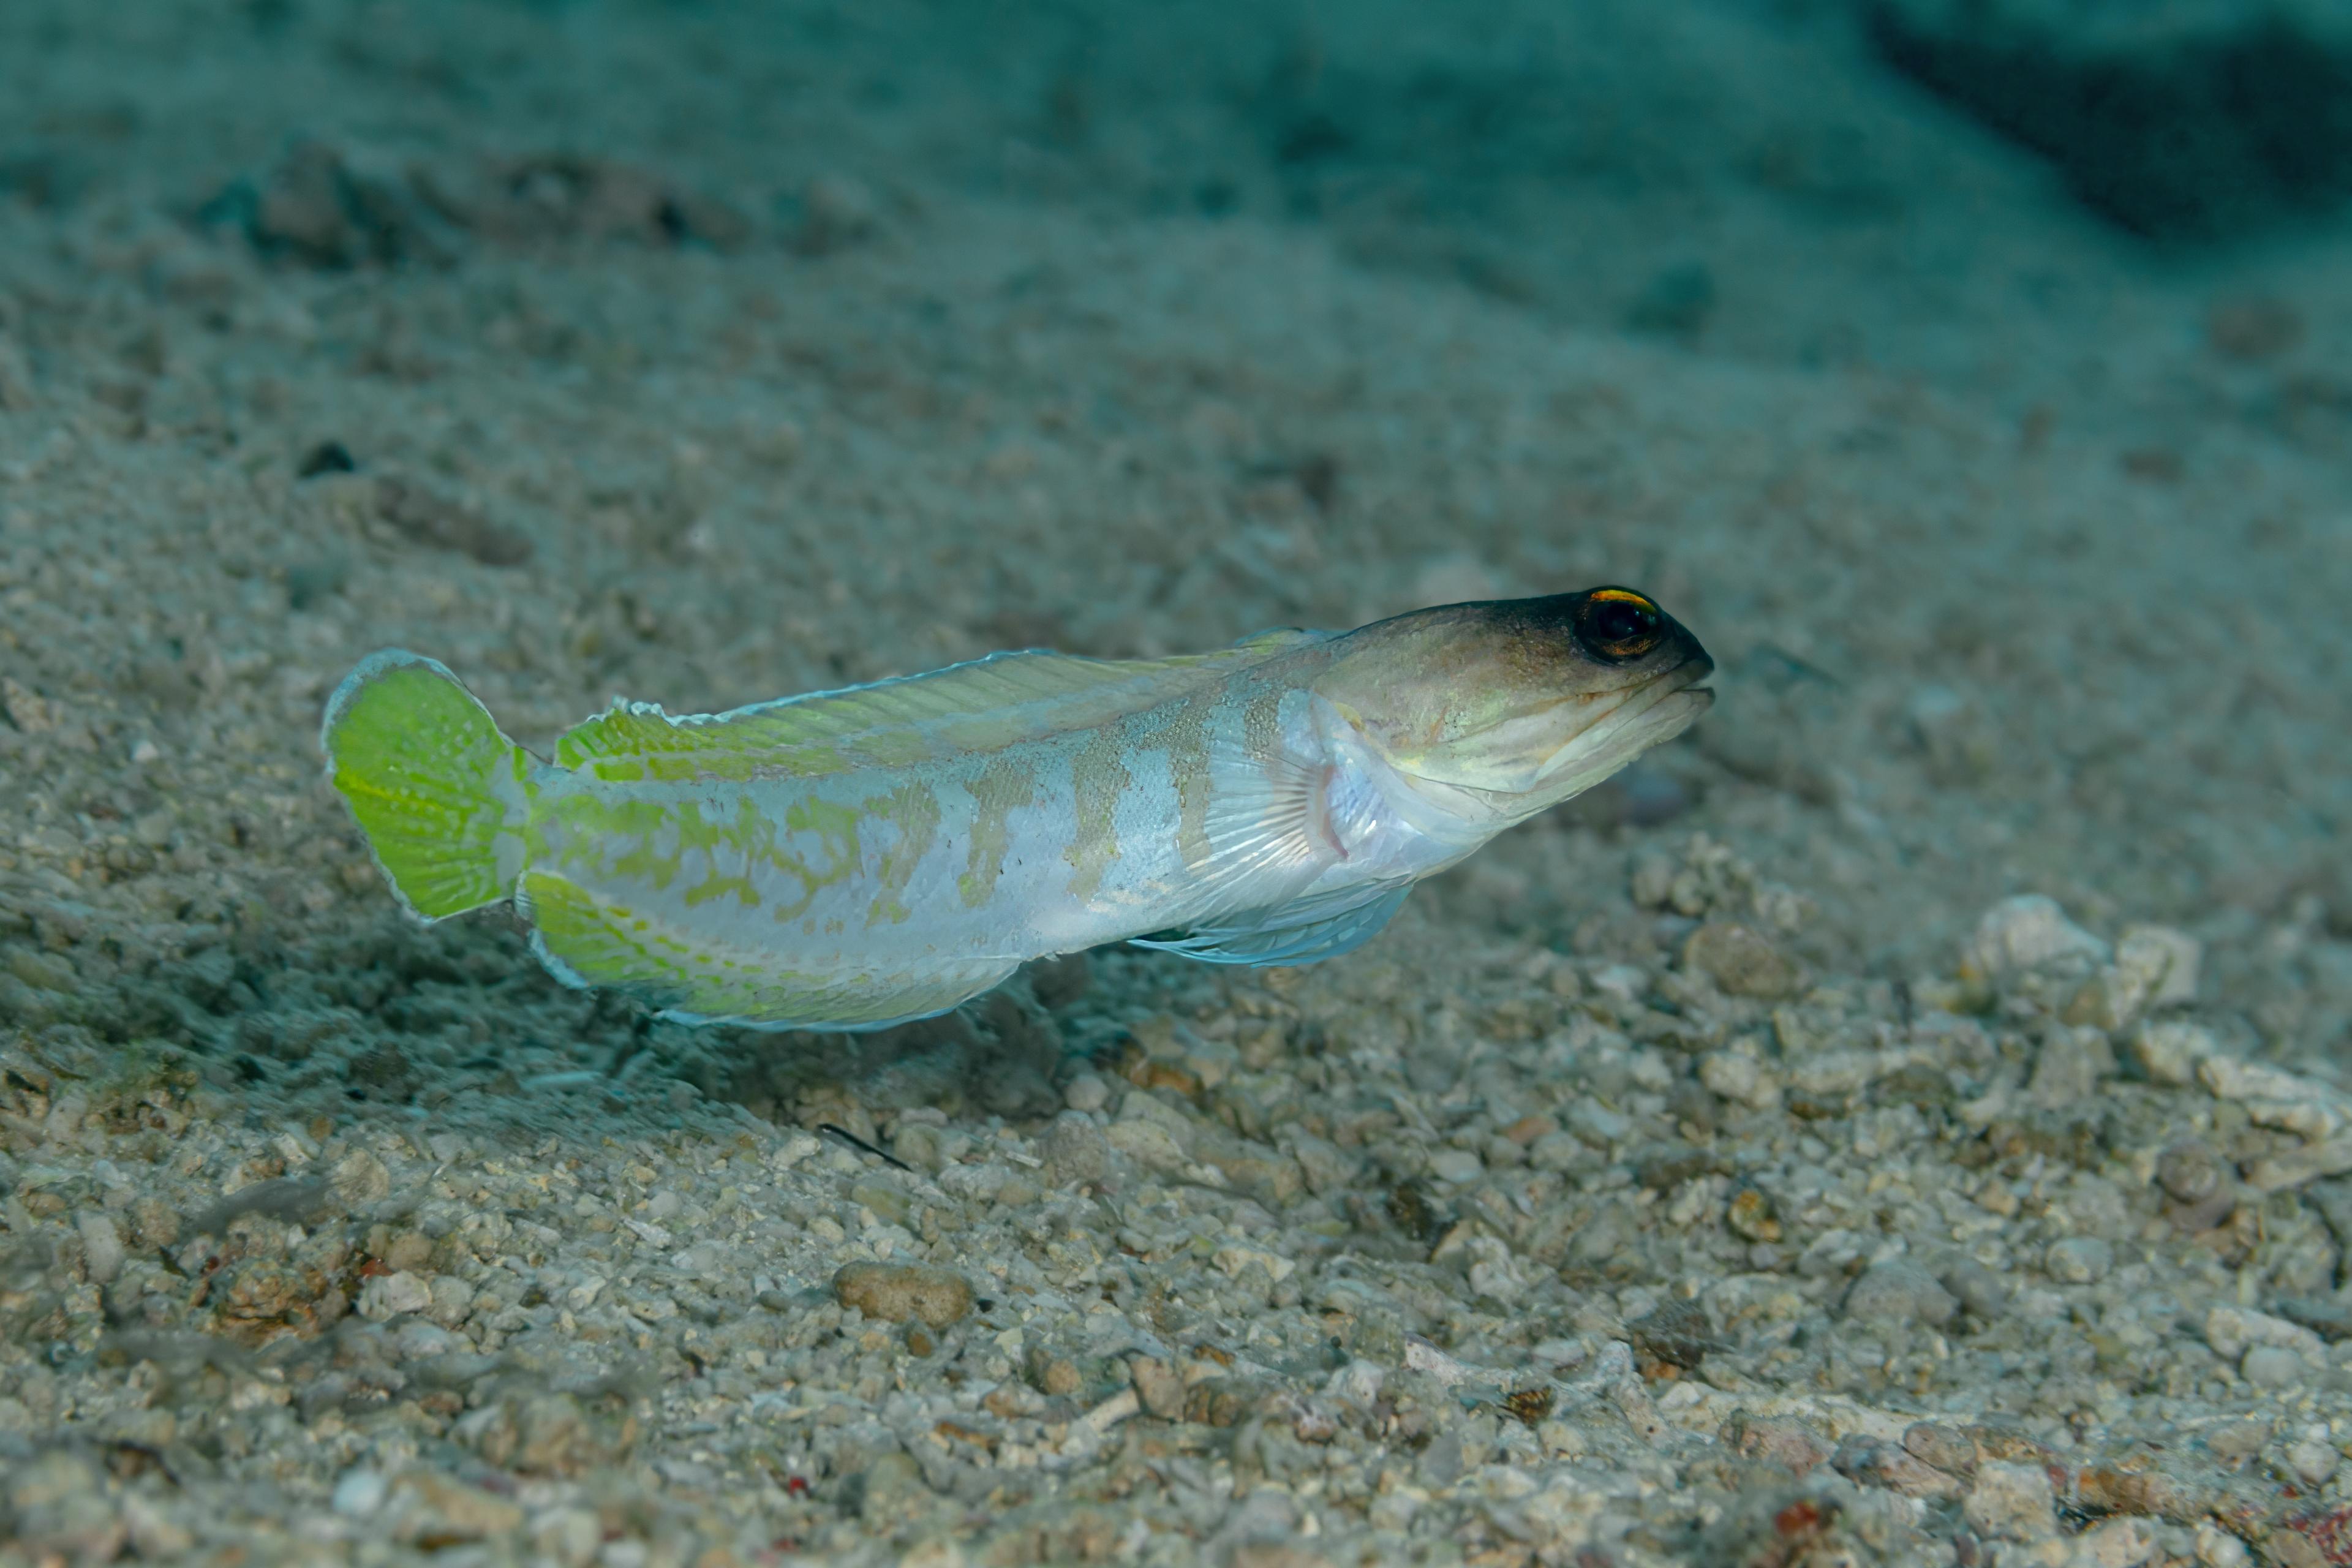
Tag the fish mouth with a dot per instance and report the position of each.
(1648, 715)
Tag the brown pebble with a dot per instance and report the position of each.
(1875, 1462)
(1056, 1376)
(2101, 1489)
(1750, 1213)
(1223, 1401)
(258, 1290)
(1670, 1165)
(1946, 1447)
(1159, 1386)
(1740, 961)
(156, 1222)
(1528, 1405)
(1791, 1445)
(553, 1434)
(896, 1292)
(2189, 1170)
(1149, 1072)
(1676, 1334)
(2008, 1445)
(411, 1252)
(1527, 1128)
(1074, 1149)
(434, 1510)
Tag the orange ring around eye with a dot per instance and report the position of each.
(1636, 642)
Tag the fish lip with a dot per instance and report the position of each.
(1683, 681)
(1685, 676)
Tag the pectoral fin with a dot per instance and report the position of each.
(1304, 930)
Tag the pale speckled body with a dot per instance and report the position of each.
(956, 868)
(852, 858)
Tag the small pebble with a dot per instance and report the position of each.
(2013, 1502)
(1790, 1443)
(2315, 1459)
(453, 1300)
(1159, 1386)
(2235, 1442)
(409, 1252)
(1900, 1291)
(1456, 1165)
(2190, 1172)
(359, 1492)
(437, 1507)
(2029, 933)
(390, 1295)
(2232, 1330)
(2080, 1259)
(1074, 1149)
(896, 1292)
(2217, 1548)
(2168, 1050)
(101, 1245)
(1555, 1150)
(2114, 1543)
(1979, 1289)
(1740, 961)
(1750, 1213)
(2161, 966)
(920, 1144)
(1946, 1447)
(1740, 1079)
(2274, 1366)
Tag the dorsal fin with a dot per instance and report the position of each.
(985, 704)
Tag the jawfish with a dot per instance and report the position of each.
(855, 859)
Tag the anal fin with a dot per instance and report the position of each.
(587, 938)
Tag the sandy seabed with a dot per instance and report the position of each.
(1905, 1121)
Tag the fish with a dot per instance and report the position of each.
(855, 859)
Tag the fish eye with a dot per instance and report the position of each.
(1616, 625)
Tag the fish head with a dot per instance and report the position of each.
(1502, 708)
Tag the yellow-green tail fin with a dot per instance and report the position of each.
(439, 792)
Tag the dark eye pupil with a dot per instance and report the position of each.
(1617, 621)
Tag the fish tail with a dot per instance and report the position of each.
(441, 794)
